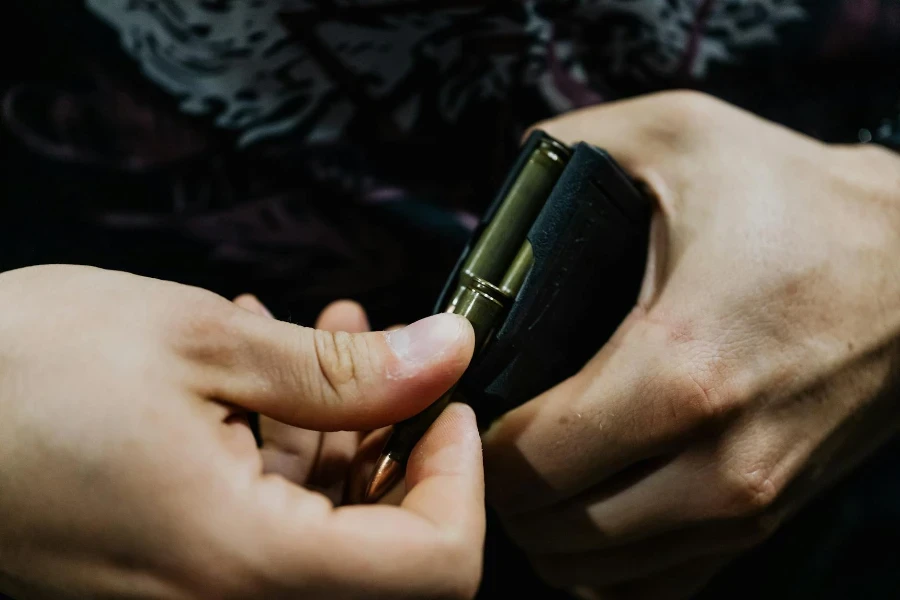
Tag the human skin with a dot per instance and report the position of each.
(758, 367)
(128, 470)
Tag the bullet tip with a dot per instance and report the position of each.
(386, 475)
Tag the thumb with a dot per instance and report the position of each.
(330, 381)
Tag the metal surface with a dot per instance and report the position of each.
(489, 282)
(515, 276)
(502, 238)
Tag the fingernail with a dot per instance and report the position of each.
(426, 340)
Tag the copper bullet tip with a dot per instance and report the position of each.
(386, 475)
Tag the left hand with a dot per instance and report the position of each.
(328, 462)
(317, 460)
(127, 467)
(755, 371)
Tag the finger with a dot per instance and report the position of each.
(253, 304)
(646, 558)
(323, 380)
(649, 134)
(429, 547)
(391, 497)
(624, 128)
(343, 315)
(736, 509)
(678, 583)
(363, 465)
(742, 476)
(635, 400)
(332, 463)
(288, 451)
(599, 126)
(307, 457)
(394, 496)
(628, 507)
(433, 470)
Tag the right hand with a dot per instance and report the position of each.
(127, 468)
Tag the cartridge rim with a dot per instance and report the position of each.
(485, 288)
(556, 150)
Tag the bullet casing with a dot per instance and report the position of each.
(481, 304)
(492, 275)
(502, 239)
(515, 277)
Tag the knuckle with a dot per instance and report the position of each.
(680, 116)
(694, 375)
(689, 106)
(748, 492)
(690, 401)
(337, 362)
(872, 180)
(198, 326)
(698, 391)
(865, 154)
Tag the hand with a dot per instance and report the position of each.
(755, 371)
(328, 462)
(318, 460)
(127, 467)
(362, 465)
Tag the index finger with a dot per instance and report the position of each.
(429, 546)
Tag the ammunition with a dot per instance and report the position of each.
(515, 277)
(489, 282)
(503, 237)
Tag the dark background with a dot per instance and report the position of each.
(843, 546)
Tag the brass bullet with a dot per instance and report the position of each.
(489, 281)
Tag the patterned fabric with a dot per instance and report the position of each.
(264, 69)
(313, 149)
(236, 60)
(309, 148)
